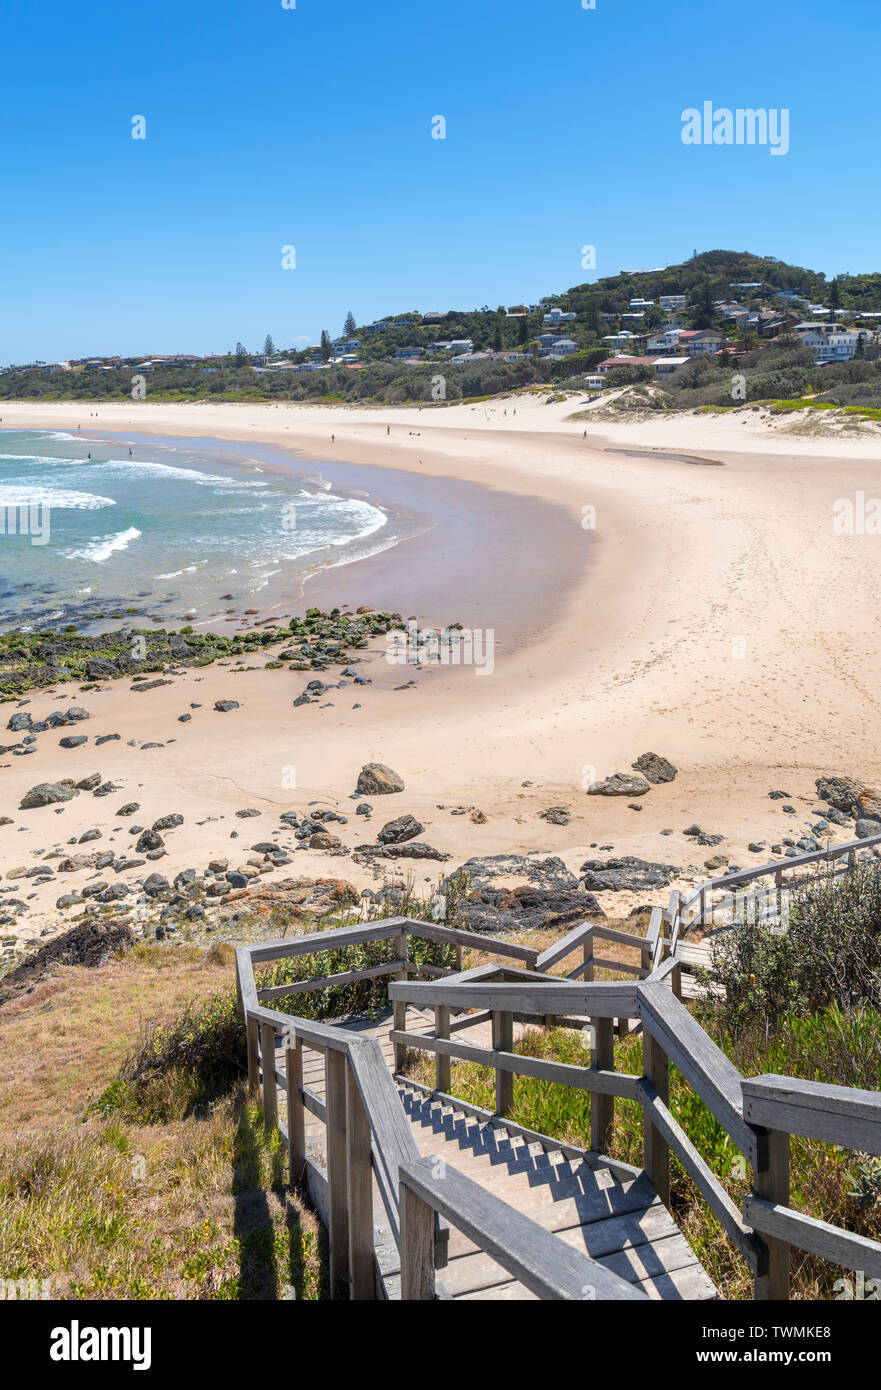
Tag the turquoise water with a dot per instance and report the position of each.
(162, 528)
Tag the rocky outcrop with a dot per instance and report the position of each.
(525, 907)
(626, 874)
(545, 871)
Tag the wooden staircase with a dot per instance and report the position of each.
(621, 1223)
(615, 1217)
(424, 1195)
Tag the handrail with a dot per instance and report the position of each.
(546, 1265)
(775, 866)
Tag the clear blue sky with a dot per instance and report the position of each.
(312, 127)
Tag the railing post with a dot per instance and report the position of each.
(503, 1041)
(400, 1007)
(253, 1033)
(296, 1111)
(587, 973)
(442, 1067)
(602, 1112)
(270, 1094)
(771, 1180)
(656, 1154)
(417, 1246)
(337, 1186)
(362, 1269)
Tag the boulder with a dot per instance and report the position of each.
(168, 822)
(395, 832)
(654, 768)
(88, 784)
(129, 808)
(156, 884)
(375, 779)
(225, 705)
(865, 828)
(556, 815)
(20, 722)
(322, 839)
(149, 840)
(619, 784)
(73, 740)
(841, 792)
(47, 793)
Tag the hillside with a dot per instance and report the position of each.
(505, 352)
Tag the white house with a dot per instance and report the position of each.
(697, 342)
(558, 315)
(666, 340)
(827, 342)
(560, 347)
(666, 366)
(671, 301)
(641, 303)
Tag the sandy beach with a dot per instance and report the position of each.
(704, 609)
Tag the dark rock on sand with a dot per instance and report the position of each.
(149, 840)
(395, 832)
(655, 768)
(375, 779)
(47, 793)
(619, 784)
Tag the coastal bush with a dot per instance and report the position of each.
(829, 954)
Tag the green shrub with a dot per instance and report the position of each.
(829, 954)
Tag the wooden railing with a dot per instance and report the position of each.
(702, 907)
(369, 1137)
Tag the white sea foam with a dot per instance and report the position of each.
(167, 470)
(21, 493)
(103, 547)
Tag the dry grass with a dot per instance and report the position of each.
(195, 1208)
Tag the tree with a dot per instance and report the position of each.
(523, 330)
(350, 325)
(241, 355)
(834, 296)
(705, 311)
(325, 344)
(268, 346)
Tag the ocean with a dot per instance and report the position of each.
(94, 529)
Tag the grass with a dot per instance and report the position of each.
(179, 1198)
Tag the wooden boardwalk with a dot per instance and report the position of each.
(614, 1217)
